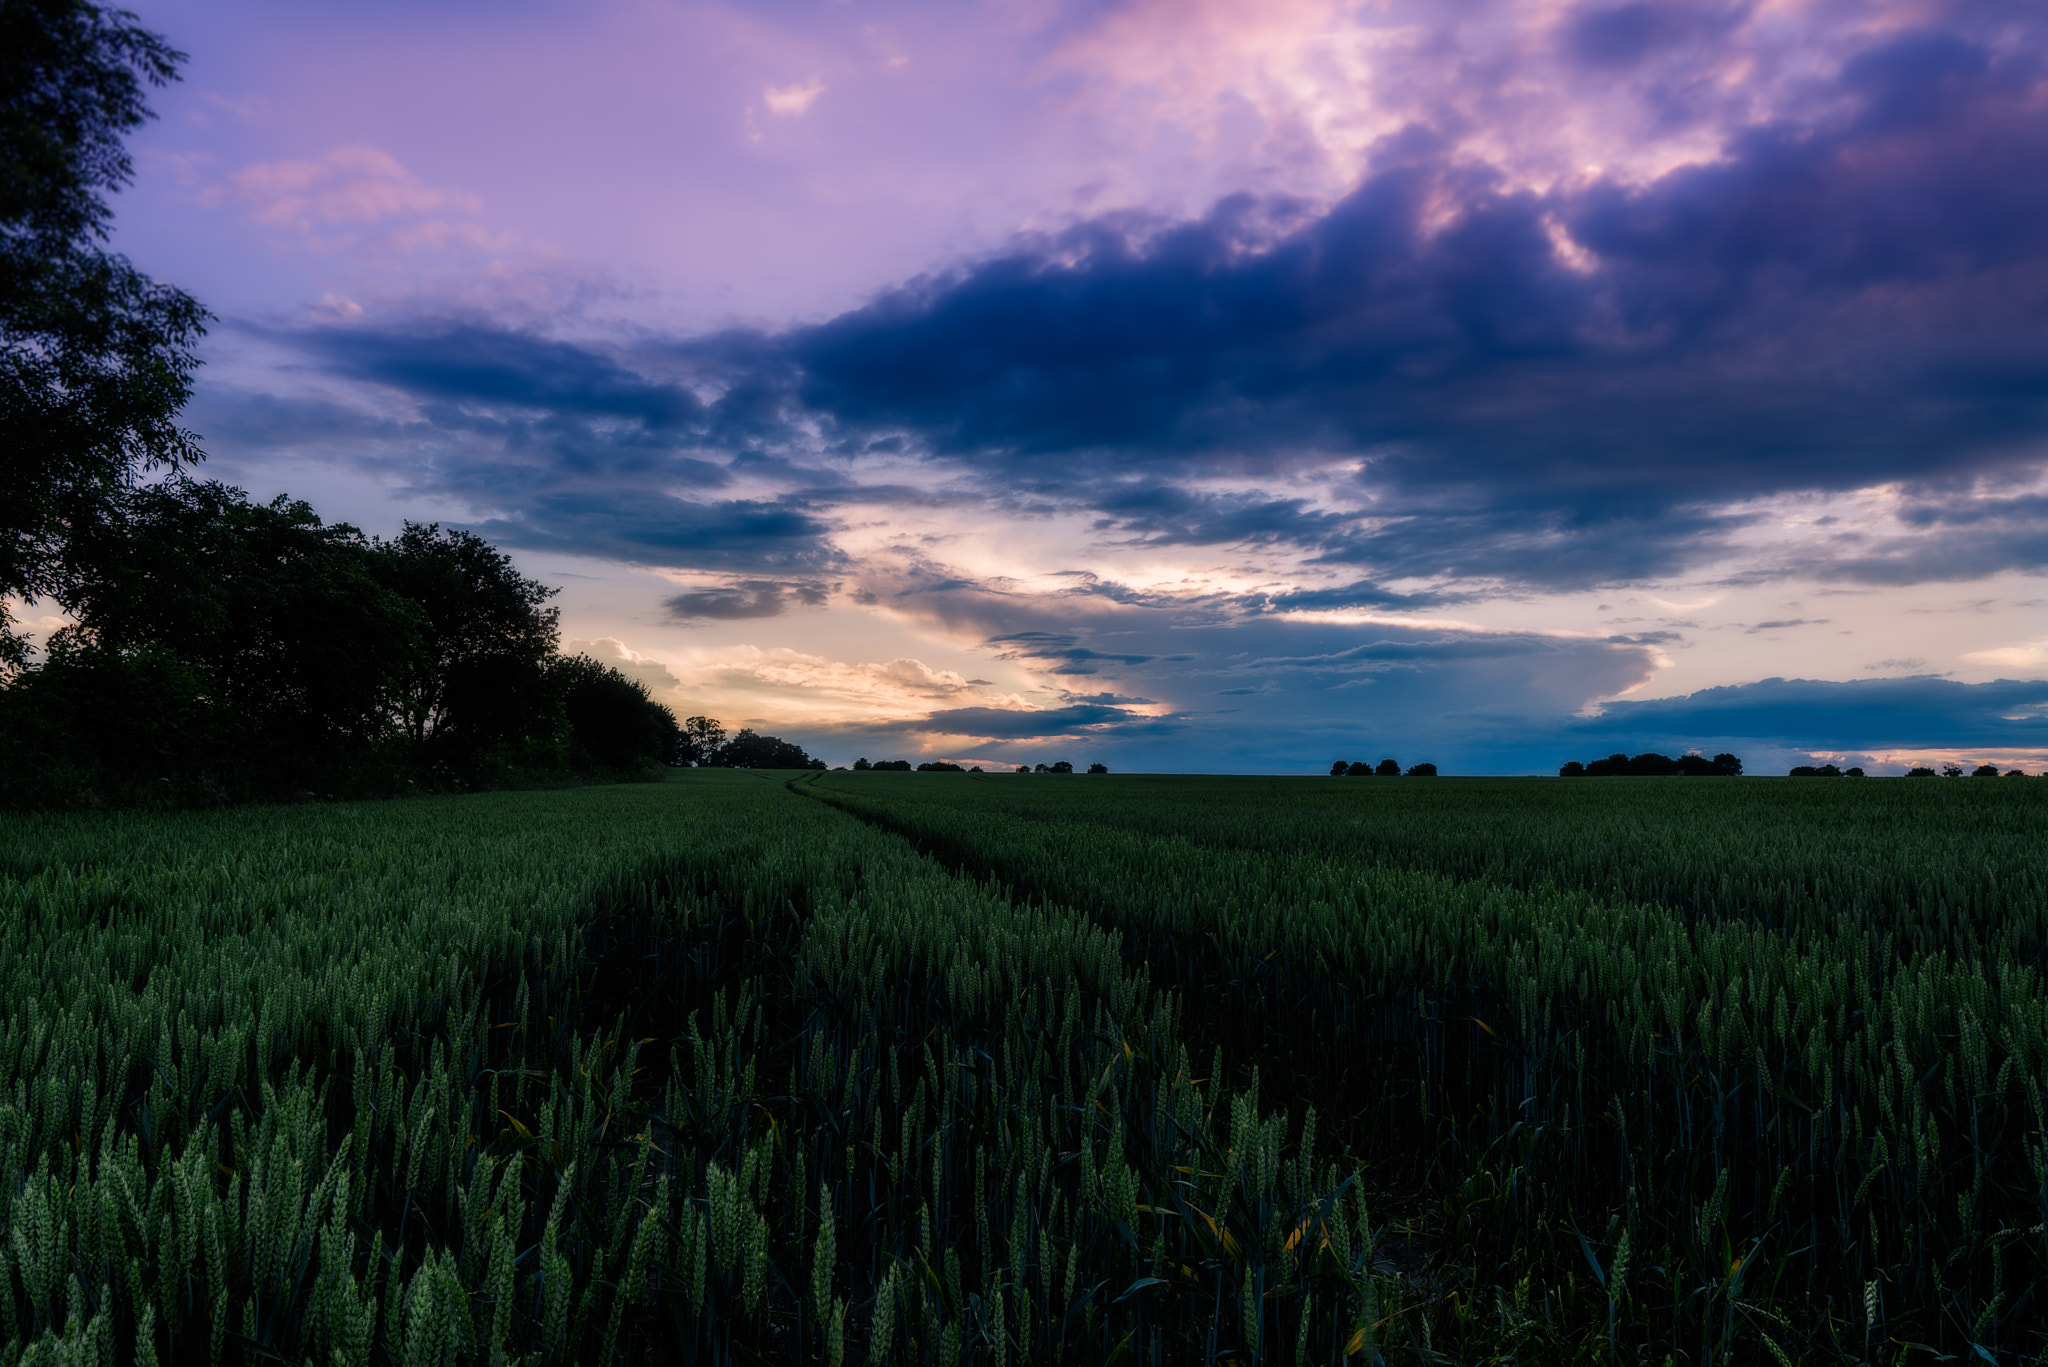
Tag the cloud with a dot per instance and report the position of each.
(1863, 714)
(349, 186)
(735, 535)
(1944, 534)
(992, 723)
(2031, 655)
(612, 651)
(789, 101)
(1454, 378)
(1064, 654)
(483, 366)
(744, 599)
(811, 690)
(1551, 386)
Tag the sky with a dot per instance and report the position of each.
(1176, 384)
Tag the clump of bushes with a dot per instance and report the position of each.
(1653, 765)
(1386, 768)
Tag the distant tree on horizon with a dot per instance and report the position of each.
(698, 740)
(1650, 764)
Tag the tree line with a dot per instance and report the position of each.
(1652, 765)
(702, 743)
(939, 766)
(221, 648)
(1386, 768)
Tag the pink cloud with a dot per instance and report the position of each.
(792, 100)
(349, 185)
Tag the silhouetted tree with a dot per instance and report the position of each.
(1338, 769)
(1572, 769)
(1920, 771)
(1650, 764)
(1359, 769)
(1423, 770)
(480, 677)
(747, 750)
(862, 763)
(1985, 771)
(1853, 771)
(939, 766)
(1388, 768)
(1098, 768)
(698, 741)
(289, 636)
(96, 358)
(610, 717)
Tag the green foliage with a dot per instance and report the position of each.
(281, 615)
(227, 649)
(478, 678)
(610, 717)
(750, 750)
(95, 357)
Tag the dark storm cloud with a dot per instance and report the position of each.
(1162, 514)
(1473, 349)
(1361, 594)
(1610, 38)
(652, 529)
(1503, 386)
(1842, 298)
(1958, 537)
(1862, 714)
(745, 598)
(1067, 656)
(476, 363)
(1421, 650)
(999, 723)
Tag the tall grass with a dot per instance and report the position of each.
(1783, 1122)
(946, 1070)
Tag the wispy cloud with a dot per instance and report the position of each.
(789, 101)
(349, 187)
